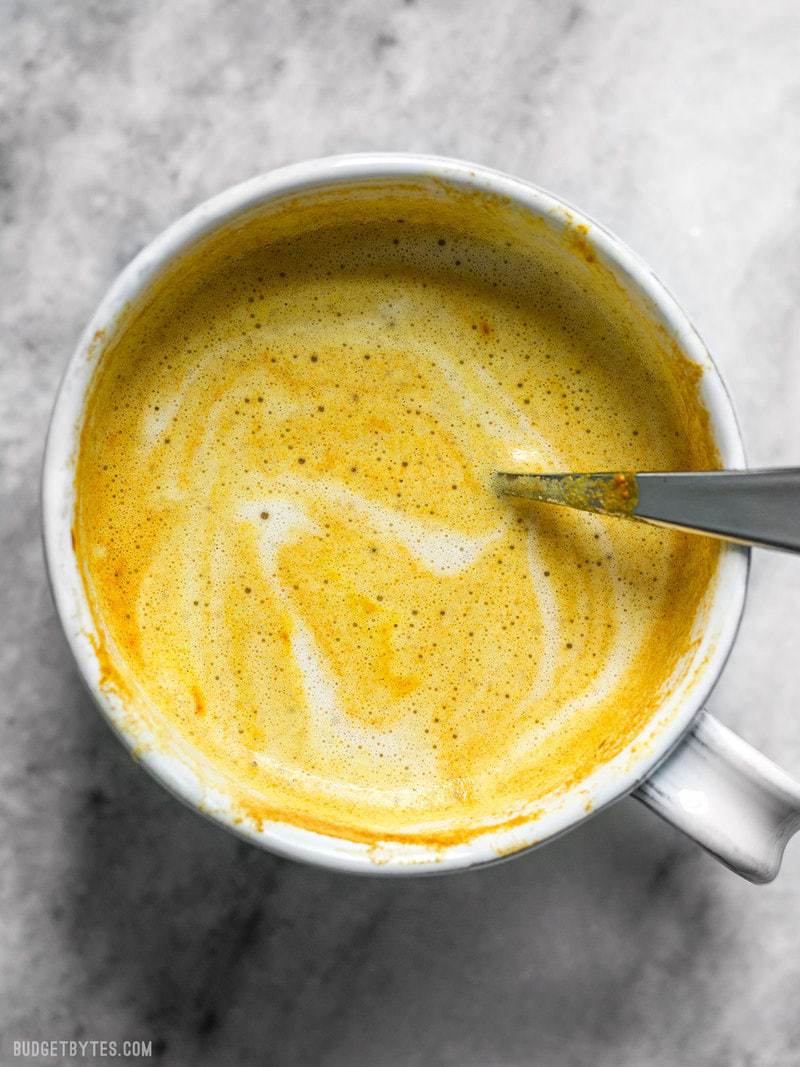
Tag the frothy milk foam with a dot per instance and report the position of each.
(295, 564)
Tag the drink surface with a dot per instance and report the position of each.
(300, 578)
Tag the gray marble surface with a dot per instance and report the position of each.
(124, 915)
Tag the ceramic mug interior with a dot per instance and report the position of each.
(559, 813)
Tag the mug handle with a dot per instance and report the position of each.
(734, 801)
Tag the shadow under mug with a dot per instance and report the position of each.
(684, 765)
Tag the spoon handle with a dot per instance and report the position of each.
(752, 507)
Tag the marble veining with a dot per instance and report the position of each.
(122, 914)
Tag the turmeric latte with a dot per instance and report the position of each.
(300, 578)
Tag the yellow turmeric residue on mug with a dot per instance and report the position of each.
(284, 520)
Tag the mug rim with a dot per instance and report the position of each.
(608, 782)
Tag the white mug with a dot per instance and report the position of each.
(685, 765)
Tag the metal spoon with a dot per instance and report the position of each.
(751, 507)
